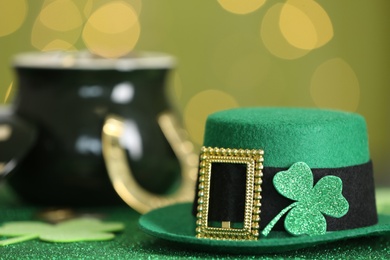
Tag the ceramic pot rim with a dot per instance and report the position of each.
(87, 61)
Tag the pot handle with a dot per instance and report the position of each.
(17, 137)
(120, 172)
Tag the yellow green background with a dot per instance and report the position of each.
(325, 53)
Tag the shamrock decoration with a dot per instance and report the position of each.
(305, 215)
(81, 229)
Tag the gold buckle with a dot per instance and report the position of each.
(254, 165)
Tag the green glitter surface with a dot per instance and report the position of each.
(134, 244)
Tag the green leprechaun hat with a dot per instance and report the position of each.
(277, 179)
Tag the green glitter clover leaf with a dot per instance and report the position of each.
(81, 229)
(305, 215)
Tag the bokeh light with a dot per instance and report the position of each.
(61, 15)
(12, 15)
(297, 28)
(59, 44)
(200, 106)
(88, 8)
(242, 6)
(273, 39)
(293, 29)
(44, 38)
(136, 4)
(92, 5)
(305, 24)
(57, 27)
(334, 85)
(113, 18)
(112, 30)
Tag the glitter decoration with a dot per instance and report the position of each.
(81, 229)
(305, 215)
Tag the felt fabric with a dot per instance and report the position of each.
(320, 138)
(358, 189)
(132, 243)
(174, 223)
(73, 230)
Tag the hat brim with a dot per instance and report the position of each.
(175, 223)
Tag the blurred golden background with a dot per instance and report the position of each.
(328, 54)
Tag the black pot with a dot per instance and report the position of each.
(68, 98)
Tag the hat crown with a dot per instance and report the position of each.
(321, 138)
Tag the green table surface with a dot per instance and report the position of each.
(133, 244)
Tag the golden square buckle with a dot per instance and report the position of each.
(253, 159)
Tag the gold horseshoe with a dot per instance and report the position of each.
(121, 175)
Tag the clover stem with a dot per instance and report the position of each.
(272, 223)
(17, 239)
